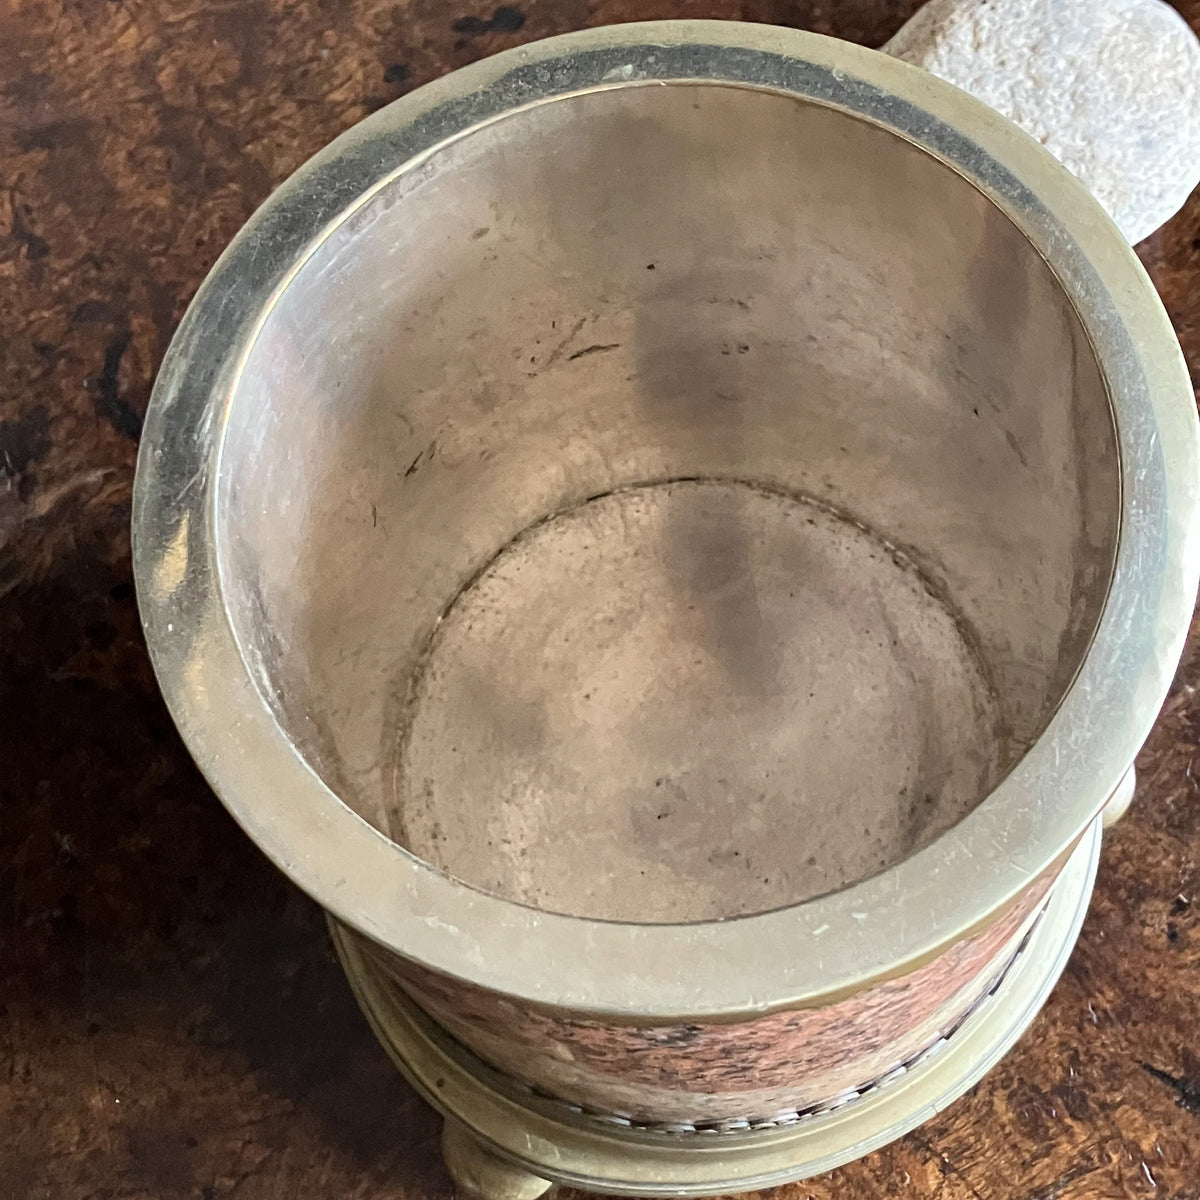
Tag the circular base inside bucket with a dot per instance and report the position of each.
(535, 1138)
(691, 700)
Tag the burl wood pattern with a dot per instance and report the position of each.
(710, 1071)
(173, 1025)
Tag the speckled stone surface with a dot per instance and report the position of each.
(712, 1071)
(1110, 87)
(172, 1023)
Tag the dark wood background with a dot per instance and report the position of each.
(172, 1023)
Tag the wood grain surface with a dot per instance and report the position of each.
(172, 1022)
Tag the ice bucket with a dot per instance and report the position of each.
(673, 535)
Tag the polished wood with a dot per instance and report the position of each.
(173, 1025)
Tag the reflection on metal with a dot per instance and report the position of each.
(171, 566)
(1119, 802)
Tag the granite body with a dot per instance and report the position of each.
(173, 1025)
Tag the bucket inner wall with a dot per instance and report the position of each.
(668, 503)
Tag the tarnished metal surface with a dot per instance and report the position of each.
(691, 700)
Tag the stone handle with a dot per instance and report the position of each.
(1110, 87)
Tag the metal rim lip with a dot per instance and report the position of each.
(633, 1162)
(791, 956)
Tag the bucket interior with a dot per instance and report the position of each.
(668, 503)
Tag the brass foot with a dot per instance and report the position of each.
(481, 1174)
(1119, 801)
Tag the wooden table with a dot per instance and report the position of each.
(172, 1023)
